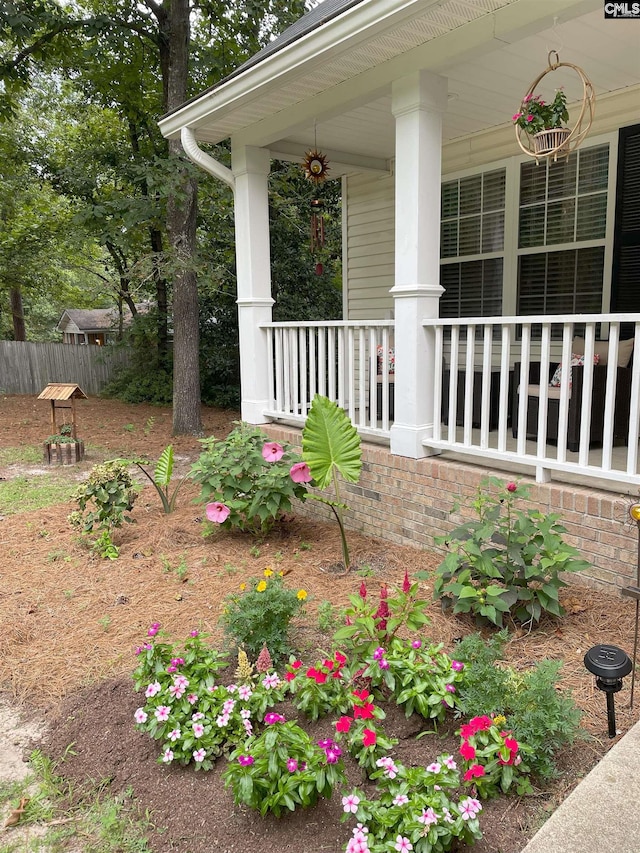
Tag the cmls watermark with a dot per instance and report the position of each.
(622, 10)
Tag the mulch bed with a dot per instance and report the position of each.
(69, 623)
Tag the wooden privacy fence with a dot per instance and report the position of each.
(25, 368)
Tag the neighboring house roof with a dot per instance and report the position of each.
(94, 319)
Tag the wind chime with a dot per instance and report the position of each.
(316, 169)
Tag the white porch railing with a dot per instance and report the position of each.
(481, 402)
(499, 404)
(349, 362)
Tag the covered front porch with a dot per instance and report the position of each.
(583, 429)
(470, 270)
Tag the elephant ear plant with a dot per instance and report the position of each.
(331, 446)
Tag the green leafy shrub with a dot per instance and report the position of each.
(370, 623)
(421, 677)
(541, 715)
(194, 717)
(261, 614)
(282, 769)
(106, 498)
(245, 480)
(508, 562)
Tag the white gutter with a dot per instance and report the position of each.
(204, 160)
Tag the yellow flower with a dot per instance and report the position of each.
(499, 720)
(261, 586)
(281, 573)
(243, 586)
(268, 572)
(301, 594)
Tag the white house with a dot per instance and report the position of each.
(467, 263)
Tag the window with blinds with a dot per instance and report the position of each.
(563, 204)
(472, 225)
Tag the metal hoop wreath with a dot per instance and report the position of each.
(562, 147)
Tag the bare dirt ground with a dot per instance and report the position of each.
(69, 623)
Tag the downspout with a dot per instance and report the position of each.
(204, 160)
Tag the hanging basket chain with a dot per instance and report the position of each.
(558, 142)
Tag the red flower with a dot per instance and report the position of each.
(511, 744)
(363, 590)
(363, 712)
(361, 694)
(481, 724)
(317, 675)
(511, 487)
(467, 731)
(406, 586)
(343, 724)
(336, 674)
(467, 751)
(289, 676)
(296, 664)
(474, 772)
(327, 664)
(369, 737)
(383, 592)
(340, 658)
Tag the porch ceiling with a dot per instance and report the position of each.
(334, 85)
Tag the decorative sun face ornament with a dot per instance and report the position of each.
(315, 166)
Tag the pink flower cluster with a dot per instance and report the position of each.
(358, 843)
(469, 808)
(390, 768)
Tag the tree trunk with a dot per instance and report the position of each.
(17, 311)
(181, 228)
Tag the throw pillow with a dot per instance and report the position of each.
(392, 359)
(577, 360)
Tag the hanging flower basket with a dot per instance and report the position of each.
(554, 139)
(553, 142)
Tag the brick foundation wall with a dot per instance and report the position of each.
(408, 501)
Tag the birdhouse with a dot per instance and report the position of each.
(63, 446)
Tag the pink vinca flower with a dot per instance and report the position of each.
(162, 713)
(292, 765)
(153, 629)
(245, 692)
(400, 800)
(140, 716)
(152, 689)
(403, 845)
(167, 756)
(350, 803)
(449, 762)
(300, 473)
(428, 817)
(174, 735)
(217, 512)
(271, 680)
(272, 451)
(192, 698)
(198, 729)
(199, 755)
(434, 768)
(457, 666)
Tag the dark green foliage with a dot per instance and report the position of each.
(106, 498)
(508, 562)
(261, 615)
(540, 714)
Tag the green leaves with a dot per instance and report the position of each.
(508, 561)
(330, 443)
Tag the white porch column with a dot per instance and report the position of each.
(419, 101)
(250, 168)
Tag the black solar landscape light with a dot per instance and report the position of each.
(609, 664)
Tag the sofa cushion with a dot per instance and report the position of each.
(601, 348)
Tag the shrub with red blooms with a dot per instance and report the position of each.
(320, 689)
(369, 624)
(365, 740)
(492, 759)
